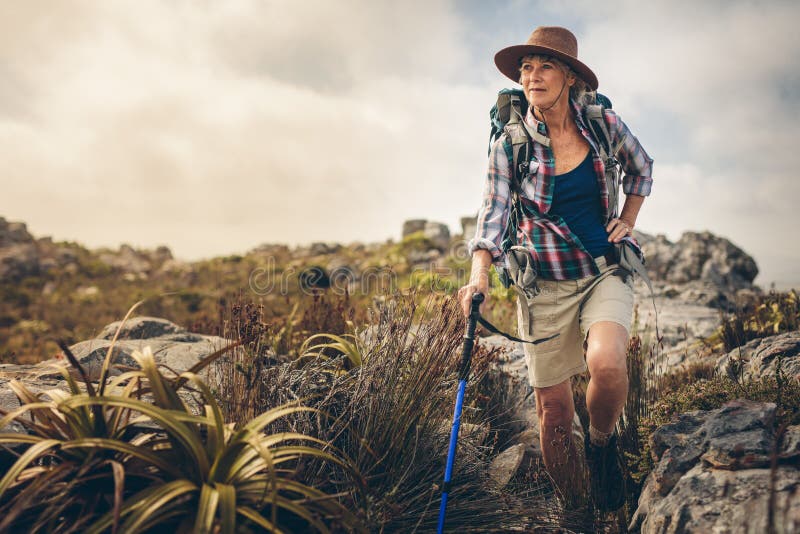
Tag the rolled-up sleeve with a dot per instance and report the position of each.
(636, 164)
(493, 214)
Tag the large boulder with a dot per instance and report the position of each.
(19, 260)
(760, 357)
(438, 234)
(412, 226)
(712, 267)
(712, 473)
(174, 348)
(127, 259)
(141, 327)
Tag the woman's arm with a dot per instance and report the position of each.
(478, 280)
(619, 228)
(637, 180)
(492, 220)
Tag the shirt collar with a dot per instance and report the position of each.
(533, 122)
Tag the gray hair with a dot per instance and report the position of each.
(580, 91)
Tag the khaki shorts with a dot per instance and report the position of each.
(570, 308)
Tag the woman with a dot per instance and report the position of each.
(569, 229)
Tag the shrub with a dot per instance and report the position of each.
(774, 314)
(392, 416)
(106, 460)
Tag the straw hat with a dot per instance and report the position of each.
(550, 40)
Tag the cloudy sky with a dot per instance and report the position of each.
(213, 127)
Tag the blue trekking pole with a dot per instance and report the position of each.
(463, 373)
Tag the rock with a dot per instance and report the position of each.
(87, 293)
(506, 464)
(162, 254)
(174, 349)
(19, 260)
(438, 234)
(13, 233)
(790, 444)
(318, 248)
(682, 326)
(712, 500)
(141, 327)
(179, 352)
(742, 450)
(126, 259)
(413, 226)
(699, 256)
(712, 473)
(759, 357)
(270, 249)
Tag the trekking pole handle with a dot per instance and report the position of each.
(469, 336)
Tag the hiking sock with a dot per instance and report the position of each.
(597, 438)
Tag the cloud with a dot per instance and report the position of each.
(215, 126)
(270, 119)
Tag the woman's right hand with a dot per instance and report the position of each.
(466, 292)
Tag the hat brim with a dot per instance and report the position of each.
(507, 61)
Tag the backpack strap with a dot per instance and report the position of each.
(521, 136)
(595, 119)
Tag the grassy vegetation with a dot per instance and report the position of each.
(388, 387)
(773, 314)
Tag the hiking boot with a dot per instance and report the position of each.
(608, 482)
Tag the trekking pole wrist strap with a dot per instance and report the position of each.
(493, 329)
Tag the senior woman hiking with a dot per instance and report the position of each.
(570, 236)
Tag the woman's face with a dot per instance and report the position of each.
(543, 81)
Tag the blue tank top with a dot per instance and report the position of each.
(576, 199)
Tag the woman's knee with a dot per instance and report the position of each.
(606, 355)
(555, 407)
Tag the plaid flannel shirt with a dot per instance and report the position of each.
(557, 251)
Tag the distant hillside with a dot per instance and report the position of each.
(62, 290)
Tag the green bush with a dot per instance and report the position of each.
(773, 314)
(104, 460)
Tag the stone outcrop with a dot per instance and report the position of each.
(437, 233)
(701, 268)
(21, 256)
(412, 226)
(760, 357)
(173, 347)
(713, 473)
(134, 261)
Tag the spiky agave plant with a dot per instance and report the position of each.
(56, 483)
(350, 345)
(195, 473)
